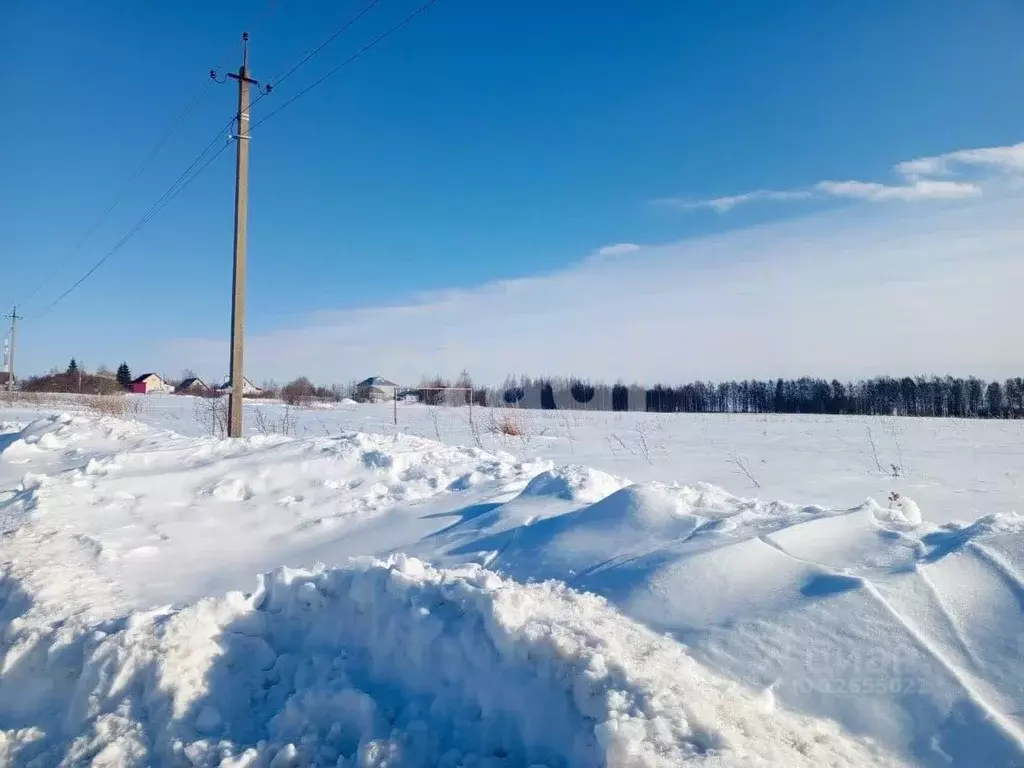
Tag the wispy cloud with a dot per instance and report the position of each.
(912, 192)
(617, 249)
(921, 179)
(1006, 159)
(723, 204)
(844, 293)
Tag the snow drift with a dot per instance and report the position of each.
(612, 623)
(392, 664)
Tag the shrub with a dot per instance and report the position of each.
(433, 391)
(115, 405)
(72, 382)
(509, 423)
(298, 392)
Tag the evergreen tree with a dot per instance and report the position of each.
(124, 375)
(72, 366)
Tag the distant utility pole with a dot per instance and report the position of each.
(10, 351)
(241, 215)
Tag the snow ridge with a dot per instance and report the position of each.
(394, 663)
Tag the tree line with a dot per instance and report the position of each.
(946, 396)
(75, 379)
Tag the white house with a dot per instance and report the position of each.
(375, 389)
(248, 388)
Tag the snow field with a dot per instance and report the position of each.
(954, 469)
(573, 618)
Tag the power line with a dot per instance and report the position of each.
(345, 63)
(173, 191)
(268, 11)
(288, 71)
(185, 179)
(153, 152)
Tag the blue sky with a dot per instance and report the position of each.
(487, 142)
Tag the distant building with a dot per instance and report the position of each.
(148, 384)
(248, 388)
(376, 389)
(191, 386)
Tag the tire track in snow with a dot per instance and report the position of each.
(1004, 572)
(927, 645)
(951, 621)
(962, 677)
(766, 538)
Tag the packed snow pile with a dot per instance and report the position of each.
(167, 518)
(574, 483)
(569, 618)
(392, 664)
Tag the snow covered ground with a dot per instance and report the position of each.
(575, 596)
(956, 469)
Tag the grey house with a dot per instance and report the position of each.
(375, 390)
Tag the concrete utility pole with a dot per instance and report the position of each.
(10, 351)
(241, 215)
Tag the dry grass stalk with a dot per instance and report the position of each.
(509, 424)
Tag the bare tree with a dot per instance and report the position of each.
(298, 392)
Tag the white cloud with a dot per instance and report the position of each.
(1008, 159)
(618, 249)
(917, 190)
(916, 182)
(846, 293)
(723, 204)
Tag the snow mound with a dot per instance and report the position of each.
(170, 519)
(648, 520)
(391, 663)
(989, 525)
(65, 431)
(45, 434)
(902, 512)
(574, 482)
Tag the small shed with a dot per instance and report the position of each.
(149, 383)
(376, 389)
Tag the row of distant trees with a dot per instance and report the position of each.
(75, 379)
(946, 396)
